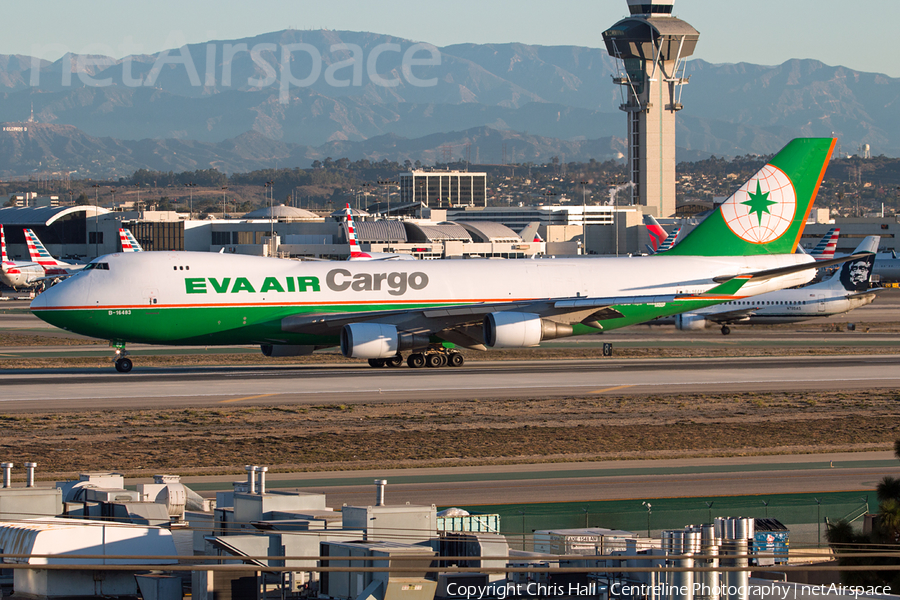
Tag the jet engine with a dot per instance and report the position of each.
(276, 350)
(378, 340)
(689, 322)
(519, 330)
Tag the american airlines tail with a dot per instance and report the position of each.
(356, 252)
(530, 233)
(4, 258)
(670, 240)
(129, 243)
(824, 250)
(39, 253)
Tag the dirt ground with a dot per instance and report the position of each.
(362, 436)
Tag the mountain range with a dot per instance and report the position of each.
(291, 97)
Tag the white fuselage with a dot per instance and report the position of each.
(789, 306)
(203, 279)
(18, 275)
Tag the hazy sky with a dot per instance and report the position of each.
(860, 35)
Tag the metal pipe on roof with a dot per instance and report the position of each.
(29, 474)
(251, 478)
(379, 491)
(262, 479)
(7, 473)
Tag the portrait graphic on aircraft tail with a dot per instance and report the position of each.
(857, 274)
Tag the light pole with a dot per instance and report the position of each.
(366, 190)
(191, 187)
(584, 222)
(270, 194)
(766, 504)
(818, 522)
(586, 516)
(522, 512)
(649, 512)
(388, 183)
(224, 189)
(709, 506)
(96, 220)
(615, 185)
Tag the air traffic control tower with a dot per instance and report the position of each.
(651, 47)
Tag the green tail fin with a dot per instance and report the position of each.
(767, 214)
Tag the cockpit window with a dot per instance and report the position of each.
(98, 266)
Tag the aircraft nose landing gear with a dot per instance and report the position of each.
(123, 364)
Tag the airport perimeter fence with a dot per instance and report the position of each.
(805, 515)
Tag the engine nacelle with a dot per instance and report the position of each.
(277, 350)
(378, 340)
(520, 330)
(690, 322)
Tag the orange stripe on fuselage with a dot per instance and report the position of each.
(419, 304)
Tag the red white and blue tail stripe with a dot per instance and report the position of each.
(824, 250)
(129, 243)
(38, 252)
(3, 256)
(670, 240)
(355, 251)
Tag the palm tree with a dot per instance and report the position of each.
(890, 520)
(888, 489)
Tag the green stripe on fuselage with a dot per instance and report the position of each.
(237, 325)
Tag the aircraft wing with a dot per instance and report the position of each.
(731, 316)
(461, 324)
(772, 273)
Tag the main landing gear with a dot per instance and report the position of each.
(394, 361)
(123, 364)
(726, 329)
(433, 358)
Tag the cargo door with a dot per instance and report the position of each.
(821, 302)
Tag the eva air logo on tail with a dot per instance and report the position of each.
(763, 209)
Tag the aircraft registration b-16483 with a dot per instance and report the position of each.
(377, 310)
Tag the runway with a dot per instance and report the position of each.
(80, 389)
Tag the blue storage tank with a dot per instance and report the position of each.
(770, 537)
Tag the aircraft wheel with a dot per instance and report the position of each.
(376, 362)
(416, 360)
(726, 329)
(455, 359)
(394, 361)
(124, 365)
(435, 360)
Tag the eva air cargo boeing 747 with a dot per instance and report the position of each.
(378, 310)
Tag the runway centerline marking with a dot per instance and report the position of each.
(618, 387)
(249, 397)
